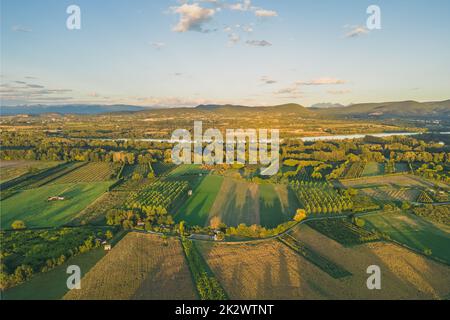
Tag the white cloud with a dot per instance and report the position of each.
(265, 13)
(321, 82)
(233, 38)
(21, 29)
(267, 80)
(292, 90)
(338, 92)
(258, 43)
(158, 45)
(246, 5)
(356, 31)
(247, 29)
(192, 17)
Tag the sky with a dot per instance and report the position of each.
(171, 53)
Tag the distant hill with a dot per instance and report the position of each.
(404, 109)
(401, 109)
(326, 105)
(284, 108)
(68, 109)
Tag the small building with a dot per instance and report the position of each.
(56, 198)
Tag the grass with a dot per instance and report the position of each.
(197, 208)
(414, 232)
(373, 169)
(187, 170)
(277, 204)
(51, 285)
(237, 201)
(32, 207)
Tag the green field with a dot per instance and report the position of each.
(32, 206)
(414, 232)
(278, 204)
(187, 170)
(373, 169)
(51, 285)
(237, 201)
(196, 210)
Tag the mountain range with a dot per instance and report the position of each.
(400, 109)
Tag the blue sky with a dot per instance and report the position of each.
(259, 52)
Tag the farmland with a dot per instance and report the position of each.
(353, 170)
(240, 237)
(91, 172)
(197, 208)
(389, 180)
(271, 270)
(13, 169)
(323, 263)
(413, 231)
(321, 198)
(36, 211)
(159, 195)
(392, 194)
(373, 169)
(343, 231)
(236, 201)
(406, 275)
(144, 267)
(51, 285)
(208, 287)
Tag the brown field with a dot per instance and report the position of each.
(265, 270)
(270, 270)
(390, 181)
(141, 266)
(405, 275)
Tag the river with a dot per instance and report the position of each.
(305, 139)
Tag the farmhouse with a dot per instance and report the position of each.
(57, 198)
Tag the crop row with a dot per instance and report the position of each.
(321, 198)
(343, 231)
(162, 194)
(354, 170)
(312, 256)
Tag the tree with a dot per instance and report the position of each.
(182, 228)
(300, 215)
(359, 222)
(215, 222)
(406, 205)
(108, 234)
(18, 225)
